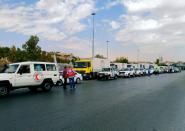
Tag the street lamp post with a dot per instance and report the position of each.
(107, 49)
(93, 14)
(138, 51)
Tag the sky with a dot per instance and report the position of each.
(143, 29)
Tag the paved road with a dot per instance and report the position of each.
(155, 103)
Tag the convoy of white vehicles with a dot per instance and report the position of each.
(44, 75)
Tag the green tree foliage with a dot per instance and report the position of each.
(31, 52)
(4, 52)
(99, 56)
(32, 49)
(121, 60)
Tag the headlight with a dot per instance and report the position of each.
(84, 75)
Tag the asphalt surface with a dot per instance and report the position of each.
(155, 103)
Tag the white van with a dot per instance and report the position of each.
(30, 75)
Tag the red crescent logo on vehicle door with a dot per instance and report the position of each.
(38, 76)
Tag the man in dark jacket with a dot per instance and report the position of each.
(65, 76)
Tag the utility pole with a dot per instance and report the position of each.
(93, 14)
(107, 49)
(137, 55)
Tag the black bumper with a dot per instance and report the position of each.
(103, 76)
(5, 83)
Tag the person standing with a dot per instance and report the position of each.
(65, 76)
(71, 74)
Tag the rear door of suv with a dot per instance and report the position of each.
(52, 72)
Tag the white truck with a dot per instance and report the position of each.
(90, 67)
(30, 75)
(107, 73)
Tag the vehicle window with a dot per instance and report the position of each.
(10, 68)
(89, 64)
(61, 73)
(51, 67)
(81, 64)
(24, 69)
(106, 69)
(39, 67)
(125, 69)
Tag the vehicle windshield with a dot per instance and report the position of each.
(126, 69)
(106, 69)
(81, 64)
(10, 68)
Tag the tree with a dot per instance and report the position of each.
(33, 51)
(121, 60)
(20, 55)
(4, 52)
(99, 56)
(157, 61)
(12, 55)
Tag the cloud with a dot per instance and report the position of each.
(77, 46)
(140, 5)
(111, 4)
(153, 26)
(114, 25)
(50, 19)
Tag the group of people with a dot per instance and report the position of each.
(69, 73)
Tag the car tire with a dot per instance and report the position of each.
(4, 91)
(78, 81)
(129, 75)
(115, 77)
(91, 76)
(60, 83)
(47, 86)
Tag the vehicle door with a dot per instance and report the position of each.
(52, 72)
(23, 76)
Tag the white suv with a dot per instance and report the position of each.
(107, 73)
(128, 72)
(28, 75)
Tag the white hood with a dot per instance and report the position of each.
(6, 76)
(104, 72)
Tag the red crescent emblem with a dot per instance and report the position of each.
(37, 77)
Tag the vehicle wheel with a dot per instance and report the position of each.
(47, 86)
(115, 77)
(4, 91)
(33, 89)
(90, 77)
(129, 75)
(60, 83)
(78, 81)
